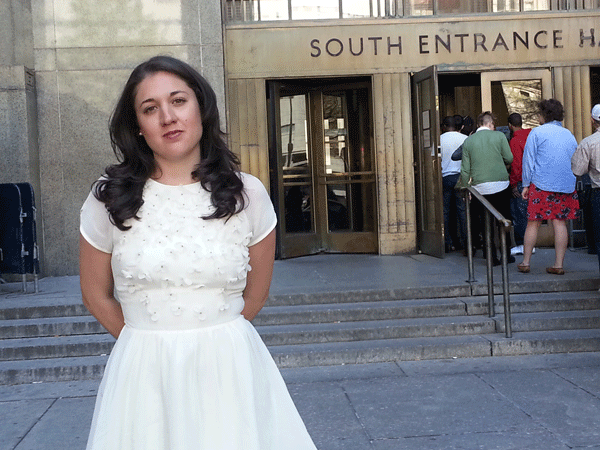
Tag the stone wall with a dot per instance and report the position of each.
(84, 51)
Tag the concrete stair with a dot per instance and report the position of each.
(52, 338)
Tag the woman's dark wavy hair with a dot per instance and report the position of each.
(551, 109)
(121, 189)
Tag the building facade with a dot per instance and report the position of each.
(335, 105)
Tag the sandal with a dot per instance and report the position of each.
(524, 268)
(555, 270)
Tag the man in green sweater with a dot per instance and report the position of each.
(486, 155)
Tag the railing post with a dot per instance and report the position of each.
(507, 317)
(505, 224)
(469, 237)
(489, 263)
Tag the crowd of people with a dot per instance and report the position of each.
(529, 178)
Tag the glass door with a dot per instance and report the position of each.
(346, 174)
(430, 219)
(292, 156)
(321, 141)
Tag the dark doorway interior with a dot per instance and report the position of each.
(595, 84)
(460, 94)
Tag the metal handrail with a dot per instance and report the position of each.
(505, 224)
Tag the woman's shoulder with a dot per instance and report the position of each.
(251, 182)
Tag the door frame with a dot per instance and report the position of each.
(428, 167)
(512, 75)
(319, 239)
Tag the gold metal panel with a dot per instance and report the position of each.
(378, 102)
(572, 88)
(404, 45)
(247, 133)
(399, 174)
(233, 118)
(389, 153)
(395, 170)
(407, 151)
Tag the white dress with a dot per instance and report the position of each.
(188, 371)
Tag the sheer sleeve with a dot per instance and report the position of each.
(95, 225)
(259, 208)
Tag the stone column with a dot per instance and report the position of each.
(19, 152)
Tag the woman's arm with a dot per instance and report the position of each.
(97, 287)
(258, 282)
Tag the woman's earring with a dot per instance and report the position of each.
(141, 134)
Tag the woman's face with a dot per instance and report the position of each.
(169, 118)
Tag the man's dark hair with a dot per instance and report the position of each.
(551, 109)
(515, 120)
(458, 121)
(448, 124)
(468, 125)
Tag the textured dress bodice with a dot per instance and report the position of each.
(175, 270)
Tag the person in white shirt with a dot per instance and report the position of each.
(450, 140)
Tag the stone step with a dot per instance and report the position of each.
(336, 306)
(49, 326)
(535, 287)
(42, 305)
(305, 334)
(358, 311)
(373, 330)
(431, 307)
(52, 369)
(55, 347)
(411, 349)
(539, 302)
(546, 321)
(337, 353)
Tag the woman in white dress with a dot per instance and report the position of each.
(176, 257)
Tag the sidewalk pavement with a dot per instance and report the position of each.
(540, 402)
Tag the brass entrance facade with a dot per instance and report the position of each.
(322, 166)
(436, 95)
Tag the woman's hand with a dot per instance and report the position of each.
(525, 193)
(95, 274)
(258, 282)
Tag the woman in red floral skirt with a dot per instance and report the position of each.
(549, 183)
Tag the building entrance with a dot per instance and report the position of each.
(437, 95)
(324, 183)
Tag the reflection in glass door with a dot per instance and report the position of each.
(296, 165)
(321, 136)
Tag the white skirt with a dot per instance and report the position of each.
(212, 388)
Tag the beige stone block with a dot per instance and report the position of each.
(14, 164)
(118, 58)
(45, 59)
(50, 219)
(16, 38)
(211, 31)
(396, 243)
(42, 12)
(212, 55)
(79, 104)
(115, 24)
